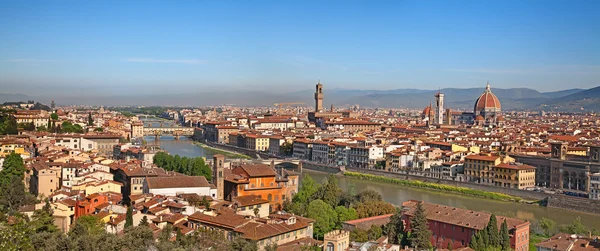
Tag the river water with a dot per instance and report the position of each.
(397, 194)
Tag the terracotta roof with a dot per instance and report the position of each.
(226, 220)
(482, 157)
(514, 166)
(176, 181)
(569, 242)
(459, 216)
(249, 200)
(258, 170)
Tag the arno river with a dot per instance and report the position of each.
(397, 194)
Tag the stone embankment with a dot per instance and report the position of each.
(574, 203)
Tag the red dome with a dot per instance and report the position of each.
(479, 118)
(500, 118)
(487, 100)
(426, 110)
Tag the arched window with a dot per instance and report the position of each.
(270, 197)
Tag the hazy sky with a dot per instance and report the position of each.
(57, 46)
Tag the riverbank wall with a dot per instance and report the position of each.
(574, 204)
(528, 195)
(234, 149)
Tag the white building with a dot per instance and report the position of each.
(175, 185)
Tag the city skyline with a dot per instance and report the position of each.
(114, 48)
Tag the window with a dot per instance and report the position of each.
(269, 197)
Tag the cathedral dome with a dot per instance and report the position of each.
(487, 100)
(426, 111)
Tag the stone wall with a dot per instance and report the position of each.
(574, 203)
(529, 195)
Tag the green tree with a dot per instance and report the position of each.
(137, 238)
(13, 196)
(325, 217)
(504, 237)
(54, 116)
(548, 225)
(90, 119)
(374, 208)
(9, 126)
(98, 129)
(165, 233)
(87, 225)
(369, 195)
(239, 244)
(16, 236)
(359, 235)
(13, 166)
(420, 235)
(42, 220)
(344, 214)
(395, 231)
(286, 149)
(129, 217)
(374, 232)
(55, 241)
(575, 228)
(271, 247)
(492, 231)
(329, 192)
(144, 221)
(308, 188)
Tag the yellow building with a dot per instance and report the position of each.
(336, 240)
(257, 142)
(11, 146)
(63, 213)
(103, 187)
(512, 175)
(44, 180)
(479, 168)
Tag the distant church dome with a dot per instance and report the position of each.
(426, 111)
(487, 101)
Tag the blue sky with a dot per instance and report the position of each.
(111, 47)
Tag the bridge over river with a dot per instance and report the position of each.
(162, 127)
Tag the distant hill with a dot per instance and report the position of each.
(513, 98)
(13, 98)
(455, 98)
(586, 100)
(558, 94)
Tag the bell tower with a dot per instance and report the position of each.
(319, 97)
(217, 175)
(559, 150)
(439, 108)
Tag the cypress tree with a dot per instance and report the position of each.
(420, 235)
(492, 231)
(504, 237)
(144, 221)
(129, 217)
(484, 237)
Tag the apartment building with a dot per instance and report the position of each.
(454, 227)
(479, 168)
(514, 175)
